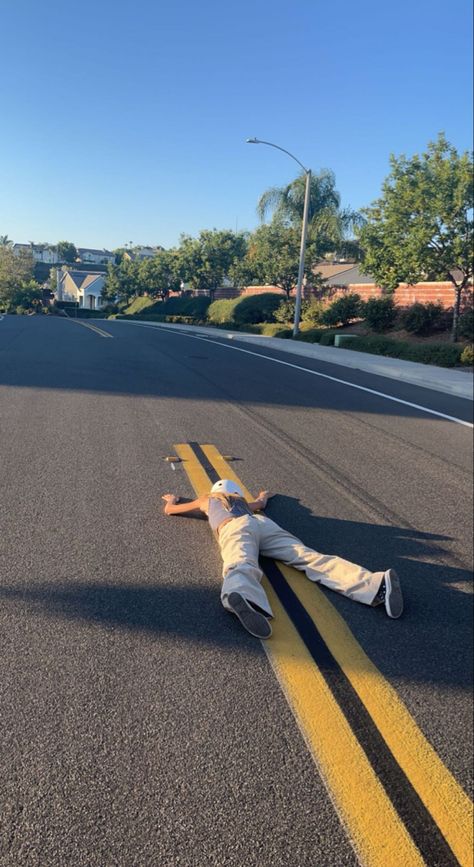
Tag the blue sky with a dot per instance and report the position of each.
(127, 121)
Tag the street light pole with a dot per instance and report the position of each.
(304, 229)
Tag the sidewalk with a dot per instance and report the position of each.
(458, 383)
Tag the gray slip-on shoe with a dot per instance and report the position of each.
(393, 594)
(250, 619)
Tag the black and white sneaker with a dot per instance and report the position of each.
(390, 594)
(251, 620)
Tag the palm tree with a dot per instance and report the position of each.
(5, 241)
(328, 224)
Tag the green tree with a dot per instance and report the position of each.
(28, 294)
(422, 227)
(329, 225)
(160, 274)
(274, 255)
(5, 241)
(15, 269)
(67, 251)
(122, 281)
(206, 261)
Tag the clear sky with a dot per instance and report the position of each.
(126, 121)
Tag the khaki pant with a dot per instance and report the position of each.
(243, 539)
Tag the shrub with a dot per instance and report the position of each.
(195, 306)
(466, 324)
(246, 309)
(380, 313)
(256, 308)
(342, 311)
(285, 312)
(312, 311)
(327, 338)
(220, 311)
(138, 304)
(442, 354)
(313, 335)
(467, 356)
(424, 318)
(275, 329)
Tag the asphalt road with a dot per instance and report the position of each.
(139, 724)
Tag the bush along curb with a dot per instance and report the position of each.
(440, 354)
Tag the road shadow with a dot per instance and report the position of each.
(432, 642)
(429, 644)
(52, 353)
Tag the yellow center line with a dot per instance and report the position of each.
(443, 797)
(371, 821)
(91, 327)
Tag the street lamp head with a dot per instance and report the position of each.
(253, 141)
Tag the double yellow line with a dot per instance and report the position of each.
(91, 327)
(379, 835)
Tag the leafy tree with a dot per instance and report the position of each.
(329, 225)
(161, 274)
(5, 241)
(15, 269)
(274, 255)
(67, 251)
(205, 261)
(422, 227)
(122, 281)
(28, 294)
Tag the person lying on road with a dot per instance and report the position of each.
(243, 535)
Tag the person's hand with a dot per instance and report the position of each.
(264, 496)
(170, 500)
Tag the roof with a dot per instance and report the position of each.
(95, 252)
(351, 274)
(329, 269)
(82, 279)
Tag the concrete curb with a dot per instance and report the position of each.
(458, 383)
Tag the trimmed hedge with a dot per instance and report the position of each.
(139, 304)
(441, 354)
(246, 309)
(314, 335)
(187, 306)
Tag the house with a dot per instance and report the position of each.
(84, 287)
(141, 253)
(40, 252)
(95, 257)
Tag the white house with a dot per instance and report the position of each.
(95, 257)
(40, 252)
(85, 287)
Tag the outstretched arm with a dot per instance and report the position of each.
(172, 508)
(260, 502)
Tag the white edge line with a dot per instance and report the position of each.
(316, 373)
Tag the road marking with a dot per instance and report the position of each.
(409, 756)
(91, 327)
(437, 789)
(442, 796)
(322, 375)
(378, 835)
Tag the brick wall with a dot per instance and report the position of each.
(404, 295)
